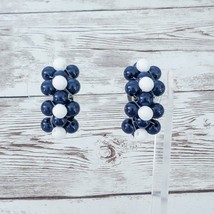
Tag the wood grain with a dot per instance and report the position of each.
(23, 6)
(100, 159)
(184, 203)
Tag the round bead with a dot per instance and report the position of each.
(144, 99)
(131, 109)
(140, 123)
(59, 64)
(155, 72)
(131, 72)
(142, 65)
(154, 127)
(46, 125)
(46, 108)
(132, 87)
(146, 84)
(73, 71)
(48, 72)
(73, 109)
(143, 74)
(145, 113)
(59, 82)
(140, 134)
(60, 97)
(157, 109)
(127, 126)
(73, 86)
(59, 122)
(59, 111)
(58, 133)
(47, 88)
(159, 88)
(61, 73)
(72, 126)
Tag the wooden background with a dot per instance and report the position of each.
(100, 169)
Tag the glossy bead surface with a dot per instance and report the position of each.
(131, 109)
(157, 109)
(47, 107)
(46, 125)
(154, 127)
(142, 65)
(58, 133)
(132, 87)
(61, 73)
(59, 111)
(73, 71)
(48, 73)
(131, 72)
(59, 82)
(60, 97)
(140, 134)
(159, 88)
(143, 74)
(155, 72)
(145, 113)
(73, 109)
(140, 123)
(47, 88)
(127, 126)
(73, 86)
(59, 122)
(59, 64)
(146, 84)
(144, 99)
(72, 126)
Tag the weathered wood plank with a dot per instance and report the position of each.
(100, 159)
(19, 6)
(181, 203)
(102, 47)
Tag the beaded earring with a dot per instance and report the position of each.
(142, 87)
(60, 82)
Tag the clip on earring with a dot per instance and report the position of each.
(60, 82)
(142, 87)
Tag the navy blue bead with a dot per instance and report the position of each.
(61, 73)
(158, 110)
(47, 88)
(46, 125)
(131, 72)
(46, 108)
(60, 97)
(144, 99)
(140, 123)
(159, 88)
(132, 87)
(73, 109)
(73, 86)
(155, 72)
(72, 126)
(48, 73)
(143, 74)
(127, 126)
(73, 71)
(59, 122)
(154, 127)
(131, 109)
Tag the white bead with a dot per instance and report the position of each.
(59, 82)
(140, 134)
(59, 64)
(59, 111)
(145, 113)
(58, 133)
(146, 84)
(142, 65)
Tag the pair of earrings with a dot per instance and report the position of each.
(142, 87)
